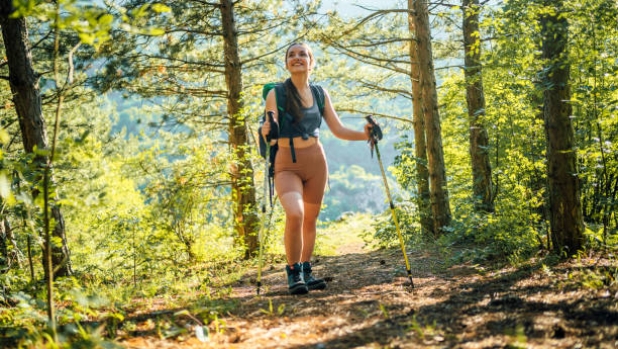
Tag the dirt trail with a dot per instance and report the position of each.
(367, 305)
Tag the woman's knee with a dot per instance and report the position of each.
(311, 213)
(294, 217)
(293, 206)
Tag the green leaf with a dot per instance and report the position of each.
(87, 38)
(106, 19)
(4, 136)
(156, 32)
(160, 8)
(117, 316)
(182, 312)
(41, 152)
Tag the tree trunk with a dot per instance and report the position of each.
(566, 220)
(243, 187)
(437, 173)
(420, 145)
(24, 84)
(482, 186)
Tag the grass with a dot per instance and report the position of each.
(331, 235)
(351, 229)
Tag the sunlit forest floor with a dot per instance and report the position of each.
(369, 304)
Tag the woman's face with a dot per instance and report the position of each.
(299, 58)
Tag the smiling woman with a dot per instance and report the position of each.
(301, 170)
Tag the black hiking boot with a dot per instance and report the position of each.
(312, 282)
(296, 283)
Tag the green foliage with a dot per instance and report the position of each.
(271, 309)
(25, 324)
(90, 317)
(507, 236)
(385, 235)
(404, 166)
(587, 273)
(146, 233)
(595, 98)
(186, 201)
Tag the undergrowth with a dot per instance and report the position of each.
(95, 313)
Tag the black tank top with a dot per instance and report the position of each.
(308, 126)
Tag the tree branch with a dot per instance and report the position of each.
(367, 59)
(386, 116)
(42, 39)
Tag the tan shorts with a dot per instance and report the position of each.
(308, 175)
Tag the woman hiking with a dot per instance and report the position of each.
(300, 170)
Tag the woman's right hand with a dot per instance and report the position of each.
(270, 128)
(266, 128)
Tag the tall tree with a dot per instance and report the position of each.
(567, 228)
(420, 143)
(243, 186)
(385, 43)
(24, 82)
(440, 206)
(475, 96)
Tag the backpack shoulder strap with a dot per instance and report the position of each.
(280, 97)
(318, 94)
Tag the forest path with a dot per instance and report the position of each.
(368, 305)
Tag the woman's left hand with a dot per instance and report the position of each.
(368, 128)
(373, 130)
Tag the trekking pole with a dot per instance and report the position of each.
(376, 134)
(261, 233)
(266, 195)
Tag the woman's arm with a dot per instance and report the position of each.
(337, 128)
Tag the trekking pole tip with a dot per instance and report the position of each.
(411, 282)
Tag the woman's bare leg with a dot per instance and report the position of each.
(292, 203)
(309, 230)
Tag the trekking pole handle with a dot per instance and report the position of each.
(376, 131)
